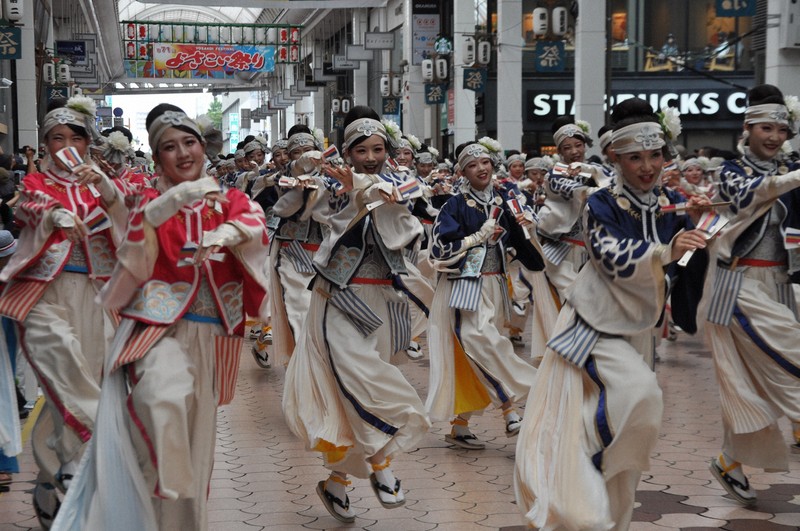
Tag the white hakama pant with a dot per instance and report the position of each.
(586, 437)
(342, 395)
(757, 361)
(473, 363)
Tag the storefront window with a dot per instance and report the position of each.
(688, 35)
(648, 36)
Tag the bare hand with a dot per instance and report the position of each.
(86, 175)
(216, 197)
(343, 174)
(203, 253)
(687, 241)
(696, 205)
(78, 232)
(387, 198)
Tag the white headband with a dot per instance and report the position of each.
(472, 152)
(167, 120)
(537, 163)
(515, 158)
(425, 157)
(605, 139)
(300, 140)
(361, 128)
(637, 137)
(568, 131)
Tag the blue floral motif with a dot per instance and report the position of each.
(336, 202)
(618, 257)
(737, 187)
(563, 186)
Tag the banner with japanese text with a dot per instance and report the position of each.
(209, 58)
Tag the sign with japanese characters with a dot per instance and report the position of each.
(390, 106)
(550, 56)
(435, 93)
(213, 57)
(10, 43)
(736, 8)
(475, 79)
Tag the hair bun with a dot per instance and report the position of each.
(762, 94)
(630, 111)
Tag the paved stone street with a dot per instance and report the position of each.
(264, 478)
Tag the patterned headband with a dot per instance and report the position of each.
(283, 143)
(568, 131)
(769, 113)
(515, 158)
(637, 137)
(472, 152)
(298, 140)
(425, 157)
(537, 163)
(361, 128)
(167, 120)
(65, 116)
(254, 145)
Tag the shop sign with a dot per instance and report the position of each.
(214, 57)
(719, 104)
(390, 106)
(10, 43)
(379, 40)
(475, 79)
(435, 93)
(736, 8)
(550, 56)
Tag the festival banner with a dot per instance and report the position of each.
(211, 60)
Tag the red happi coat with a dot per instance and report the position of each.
(44, 250)
(172, 287)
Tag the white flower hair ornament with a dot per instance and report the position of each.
(119, 141)
(319, 136)
(83, 104)
(584, 126)
(670, 120)
(433, 151)
(414, 141)
(392, 129)
(491, 144)
(793, 106)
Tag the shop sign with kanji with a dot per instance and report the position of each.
(10, 43)
(550, 56)
(475, 79)
(435, 93)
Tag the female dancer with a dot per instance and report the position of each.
(342, 396)
(191, 265)
(753, 326)
(473, 364)
(66, 251)
(593, 414)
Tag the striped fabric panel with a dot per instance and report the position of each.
(575, 344)
(787, 298)
(466, 294)
(19, 297)
(410, 255)
(227, 350)
(554, 252)
(400, 325)
(359, 314)
(299, 256)
(140, 342)
(726, 288)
